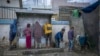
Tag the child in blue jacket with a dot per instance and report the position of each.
(59, 37)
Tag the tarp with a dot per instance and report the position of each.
(91, 7)
(91, 26)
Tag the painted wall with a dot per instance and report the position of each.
(57, 28)
(4, 31)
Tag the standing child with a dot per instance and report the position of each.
(27, 33)
(70, 38)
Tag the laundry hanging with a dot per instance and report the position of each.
(75, 13)
(91, 7)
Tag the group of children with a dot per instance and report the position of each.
(82, 40)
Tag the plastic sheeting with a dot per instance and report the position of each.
(91, 26)
(82, 1)
(91, 8)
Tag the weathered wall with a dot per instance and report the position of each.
(8, 12)
(23, 19)
(17, 3)
(13, 3)
(4, 32)
(65, 13)
(77, 23)
(57, 3)
(57, 28)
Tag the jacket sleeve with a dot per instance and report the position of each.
(61, 37)
(72, 33)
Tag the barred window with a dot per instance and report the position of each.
(37, 3)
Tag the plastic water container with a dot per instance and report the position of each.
(82, 40)
(43, 42)
(62, 44)
(22, 42)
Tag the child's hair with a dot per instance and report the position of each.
(3, 38)
(62, 29)
(28, 25)
(71, 27)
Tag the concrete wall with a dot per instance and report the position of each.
(57, 28)
(77, 23)
(16, 3)
(4, 32)
(13, 3)
(57, 3)
(8, 12)
(23, 20)
(32, 18)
